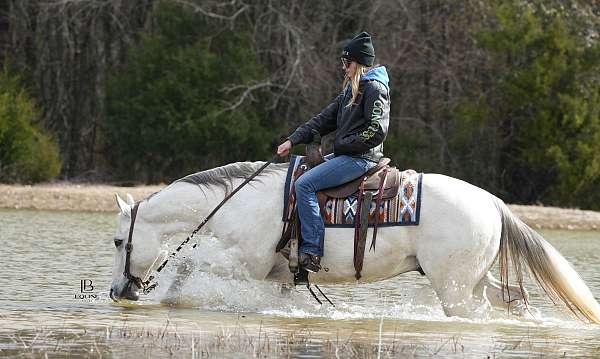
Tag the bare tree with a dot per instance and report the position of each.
(67, 47)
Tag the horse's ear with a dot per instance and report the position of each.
(123, 206)
(130, 200)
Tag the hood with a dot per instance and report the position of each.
(378, 74)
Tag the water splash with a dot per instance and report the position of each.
(403, 298)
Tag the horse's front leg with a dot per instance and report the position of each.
(173, 293)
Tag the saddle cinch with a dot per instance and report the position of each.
(380, 183)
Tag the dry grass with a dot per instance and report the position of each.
(239, 341)
(69, 197)
(124, 341)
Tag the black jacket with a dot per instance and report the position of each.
(361, 128)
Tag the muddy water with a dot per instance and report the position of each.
(57, 269)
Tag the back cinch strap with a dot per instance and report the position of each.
(377, 205)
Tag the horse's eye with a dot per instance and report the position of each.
(118, 242)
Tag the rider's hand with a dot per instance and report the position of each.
(284, 148)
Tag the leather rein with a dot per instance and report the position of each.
(129, 249)
(145, 286)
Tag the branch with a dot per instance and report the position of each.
(213, 15)
(247, 92)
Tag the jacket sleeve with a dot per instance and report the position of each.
(376, 112)
(325, 122)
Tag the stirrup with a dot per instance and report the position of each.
(310, 262)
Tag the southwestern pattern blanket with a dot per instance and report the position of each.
(401, 210)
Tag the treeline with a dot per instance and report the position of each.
(505, 95)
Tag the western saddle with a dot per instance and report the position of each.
(379, 183)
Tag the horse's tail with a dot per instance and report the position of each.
(550, 269)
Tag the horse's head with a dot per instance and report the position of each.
(145, 251)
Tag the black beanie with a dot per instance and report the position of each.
(360, 49)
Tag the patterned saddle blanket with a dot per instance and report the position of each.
(404, 209)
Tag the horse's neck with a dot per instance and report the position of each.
(181, 207)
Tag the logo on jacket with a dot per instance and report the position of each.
(376, 115)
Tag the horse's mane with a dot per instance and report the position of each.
(223, 176)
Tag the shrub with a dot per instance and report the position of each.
(26, 153)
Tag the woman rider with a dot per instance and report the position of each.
(360, 114)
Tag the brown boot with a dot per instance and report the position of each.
(310, 262)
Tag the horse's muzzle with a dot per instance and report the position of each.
(130, 292)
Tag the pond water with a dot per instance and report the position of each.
(54, 300)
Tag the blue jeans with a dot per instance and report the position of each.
(333, 172)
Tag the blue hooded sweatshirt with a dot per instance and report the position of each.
(378, 74)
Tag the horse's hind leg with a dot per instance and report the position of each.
(457, 299)
(455, 264)
(455, 284)
(512, 300)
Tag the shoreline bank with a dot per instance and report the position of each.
(100, 198)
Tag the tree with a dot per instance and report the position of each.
(189, 98)
(544, 106)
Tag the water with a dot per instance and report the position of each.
(47, 255)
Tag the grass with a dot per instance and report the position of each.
(125, 341)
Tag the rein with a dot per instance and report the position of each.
(145, 285)
(129, 249)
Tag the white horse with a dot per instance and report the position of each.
(462, 231)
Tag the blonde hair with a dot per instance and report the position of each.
(355, 80)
